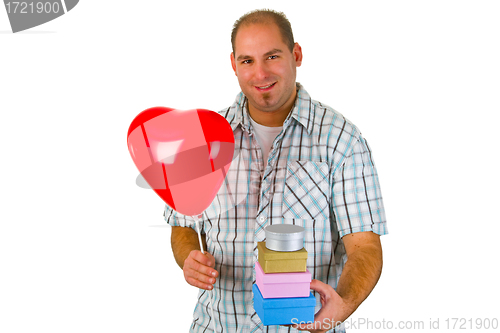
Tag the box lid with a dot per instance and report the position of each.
(277, 303)
(278, 255)
(284, 237)
(273, 278)
(284, 232)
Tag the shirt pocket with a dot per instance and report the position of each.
(307, 190)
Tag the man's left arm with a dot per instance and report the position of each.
(359, 276)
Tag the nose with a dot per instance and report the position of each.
(261, 71)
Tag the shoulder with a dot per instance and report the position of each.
(333, 125)
(231, 113)
(322, 120)
(335, 135)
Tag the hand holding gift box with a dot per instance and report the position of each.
(282, 293)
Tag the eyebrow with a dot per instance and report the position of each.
(267, 54)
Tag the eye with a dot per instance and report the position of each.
(246, 61)
(273, 57)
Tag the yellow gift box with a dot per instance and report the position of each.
(281, 262)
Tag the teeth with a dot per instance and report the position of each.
(266, 86)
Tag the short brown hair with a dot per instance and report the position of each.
(265, 16)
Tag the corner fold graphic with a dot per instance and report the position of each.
(31, 13)
(70, 4)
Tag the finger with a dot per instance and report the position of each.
(203, 258)
(198, 284)
(201, 263)
(196, 273)
(199, 272)
(211, 259)
(198, 279)
(200, 268)
(204, 274)
(323, 315)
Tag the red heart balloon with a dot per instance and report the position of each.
(183, 155)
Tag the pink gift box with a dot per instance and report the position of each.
(281, 285)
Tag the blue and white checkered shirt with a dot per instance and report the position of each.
(320, 175)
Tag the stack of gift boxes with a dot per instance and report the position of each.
(281, 291)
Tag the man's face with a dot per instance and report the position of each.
(265, 67)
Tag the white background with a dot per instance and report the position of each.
(83, 249)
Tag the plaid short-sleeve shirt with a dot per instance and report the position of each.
(320, 175)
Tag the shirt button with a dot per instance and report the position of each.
(262, 218)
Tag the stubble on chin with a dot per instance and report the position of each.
(266, 97)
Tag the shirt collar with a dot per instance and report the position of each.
(302, 111)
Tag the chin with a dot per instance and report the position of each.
(267, 107)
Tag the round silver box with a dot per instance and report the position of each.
(284, 237)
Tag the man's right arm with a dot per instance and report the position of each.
(198, 268)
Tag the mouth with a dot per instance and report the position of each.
(265, 88)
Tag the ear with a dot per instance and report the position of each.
(233, 63)
(297, 54)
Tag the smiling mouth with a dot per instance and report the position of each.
(264, 88)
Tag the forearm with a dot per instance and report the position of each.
(183, 241)
(359, 276)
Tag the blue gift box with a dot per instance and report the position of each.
(283, 311)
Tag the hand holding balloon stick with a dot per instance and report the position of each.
(184, 157)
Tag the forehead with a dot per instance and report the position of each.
(258, 38)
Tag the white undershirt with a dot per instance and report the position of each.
(265, 137)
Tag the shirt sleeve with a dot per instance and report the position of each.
(356, 196)
(176, 219)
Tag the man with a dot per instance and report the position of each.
(298, 162)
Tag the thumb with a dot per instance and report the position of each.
(326, 292)
(320, 287)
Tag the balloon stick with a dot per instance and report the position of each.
(210, 292)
